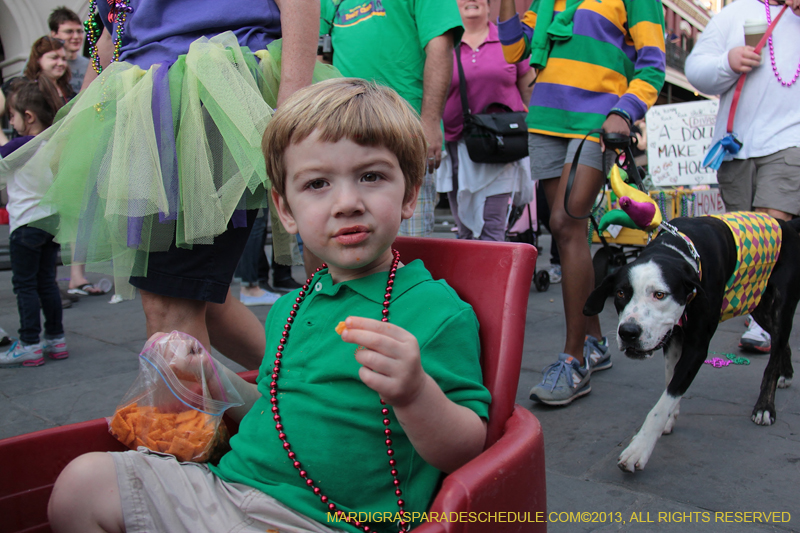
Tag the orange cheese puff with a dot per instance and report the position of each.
(340, 327)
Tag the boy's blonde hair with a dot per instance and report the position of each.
(347, 108)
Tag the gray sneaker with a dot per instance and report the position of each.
(562, 382)
(597, 353)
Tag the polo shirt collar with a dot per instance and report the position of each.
(373, 287)
(493, 37)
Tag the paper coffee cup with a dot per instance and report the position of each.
(754, 30)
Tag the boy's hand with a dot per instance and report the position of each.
(391, 360)
(743, 59)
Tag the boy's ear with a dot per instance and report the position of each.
(284, 212)
(409, 204)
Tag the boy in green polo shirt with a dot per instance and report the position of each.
(361, 423)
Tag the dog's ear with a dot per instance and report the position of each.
(597, 299)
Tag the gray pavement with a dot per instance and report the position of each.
(716, 461)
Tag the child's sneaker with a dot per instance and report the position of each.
(22, 355)
(755, 339)
(596, 351)
(554, 271)
(563, 381)
(55, 348)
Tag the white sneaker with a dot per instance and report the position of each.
(22, 355)
(755, 339)
(554, 271)
(267, 298)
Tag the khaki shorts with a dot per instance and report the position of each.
(159, 494)
(771, 182)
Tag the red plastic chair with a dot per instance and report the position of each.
(508, 476)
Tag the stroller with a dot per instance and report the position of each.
(523, 226)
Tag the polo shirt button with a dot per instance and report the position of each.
(473, 60)
(318, 286)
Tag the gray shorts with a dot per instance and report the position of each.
(771, 182)
(160, 494)
(549, 155)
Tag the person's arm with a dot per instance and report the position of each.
(647, 31)
(435, 81)
(3, 138)
(525, 86)
(105, 51)
(300, 30)
(445, 434)
(710, 67)
(515, 33)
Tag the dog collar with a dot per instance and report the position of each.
(672, 230)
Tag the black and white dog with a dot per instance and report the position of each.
(663, 303)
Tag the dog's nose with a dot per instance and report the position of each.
(629, 332)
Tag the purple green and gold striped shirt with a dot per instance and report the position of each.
(614, 60)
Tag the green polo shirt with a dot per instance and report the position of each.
(331, 419)
(385, 41)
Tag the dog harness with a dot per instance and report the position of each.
(758, 245)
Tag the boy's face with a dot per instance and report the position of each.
(72, 34)
(346, 201)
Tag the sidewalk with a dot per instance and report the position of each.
(716, 460)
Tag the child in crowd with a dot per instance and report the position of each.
(374, 415)
(31, 106)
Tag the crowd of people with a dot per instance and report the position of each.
(192, 124)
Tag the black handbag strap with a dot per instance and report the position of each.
(462, 82)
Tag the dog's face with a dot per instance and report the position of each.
(650, 296)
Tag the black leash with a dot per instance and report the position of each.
(621, 144)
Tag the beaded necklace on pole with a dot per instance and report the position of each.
(276, 369)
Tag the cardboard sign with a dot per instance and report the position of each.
(678, 137)
(708, 202)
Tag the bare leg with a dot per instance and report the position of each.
(164, 313)
(85, 497)
(774, 213)
(236, 332)
(77, 277)
(576, 259)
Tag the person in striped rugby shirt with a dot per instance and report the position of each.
(601, 64)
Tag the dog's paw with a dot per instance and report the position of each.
(763, 418)
(635, 456)
(784, 382)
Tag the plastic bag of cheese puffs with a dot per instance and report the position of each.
(176, 404)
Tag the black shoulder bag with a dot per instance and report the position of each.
(492, 137)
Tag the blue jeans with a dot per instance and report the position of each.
(253, 250)
(33, 275)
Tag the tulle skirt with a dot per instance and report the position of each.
(144, 158)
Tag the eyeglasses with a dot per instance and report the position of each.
(72, 32)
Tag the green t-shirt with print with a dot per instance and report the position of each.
(385, 41)
(331, 419)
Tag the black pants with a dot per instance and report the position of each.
(33, 275)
